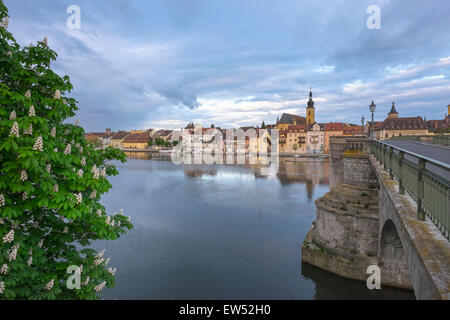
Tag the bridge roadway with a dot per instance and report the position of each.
(432, 151)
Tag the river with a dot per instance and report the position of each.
(220, 232)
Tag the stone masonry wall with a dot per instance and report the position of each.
(358, 171)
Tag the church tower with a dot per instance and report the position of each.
(310, 110)
(393, 113)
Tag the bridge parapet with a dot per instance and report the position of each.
(422, 178)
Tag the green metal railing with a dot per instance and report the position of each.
(436, 139)
(430, 190)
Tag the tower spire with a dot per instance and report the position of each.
(310, 109)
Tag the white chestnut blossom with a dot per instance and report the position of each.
(30, 261)
(55, 150)
(55, 188)
(107, 261)
(112, 271)
(45, 41)
(2, 287)
(80, 173)
(49, 167)
(121, 211)
(14, 130)
(93, 194)
(38, 144)
(29, 131)
(68, 149)
(98, 261)
(5, 22)
(100, 286)
(57, 95)
(41, 243)
(9, 54)
(66, 230)
(49, 285)
(28, 94)
(32, 112)
(86, 281)
(77, 122)
(129, 219)
(2, 200)
(103, 172)
(83, 161)
(81, 149)
(13, 115)
(9, 237)
(100, 254)
(79, 197)
(96, 174)
(13, 252)
(23, 175)
(53, 133)
(24, 196)
(4, 269)
(99, 212)
(2, 221)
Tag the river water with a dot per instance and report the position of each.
(220, 232)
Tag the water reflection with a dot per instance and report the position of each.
(308, 172)
(216, 232)
(328, 286)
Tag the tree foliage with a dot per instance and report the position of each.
(51, 180)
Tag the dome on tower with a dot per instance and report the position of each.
(310, 101)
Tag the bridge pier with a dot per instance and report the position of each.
(367, 219)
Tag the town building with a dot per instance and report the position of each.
(394, 126)
(117, 139)
(315, 138)
(136, 141)
(165, 135)
(331, 129)
(352, 130)
(296, 139)
(439, 126)
(288, 119)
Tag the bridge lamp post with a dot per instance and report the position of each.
(372, 109)
(362, 123)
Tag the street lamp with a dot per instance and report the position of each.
(372, 109)
(362, 123)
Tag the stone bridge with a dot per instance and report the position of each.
(367, 218)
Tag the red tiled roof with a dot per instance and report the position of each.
(348, 130)
(407, 123)
(334, 126)
(119, 135)
(137, 138)
(296, 128)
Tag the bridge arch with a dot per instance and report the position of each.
(392, 257)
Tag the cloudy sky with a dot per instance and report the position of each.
(163, 63)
